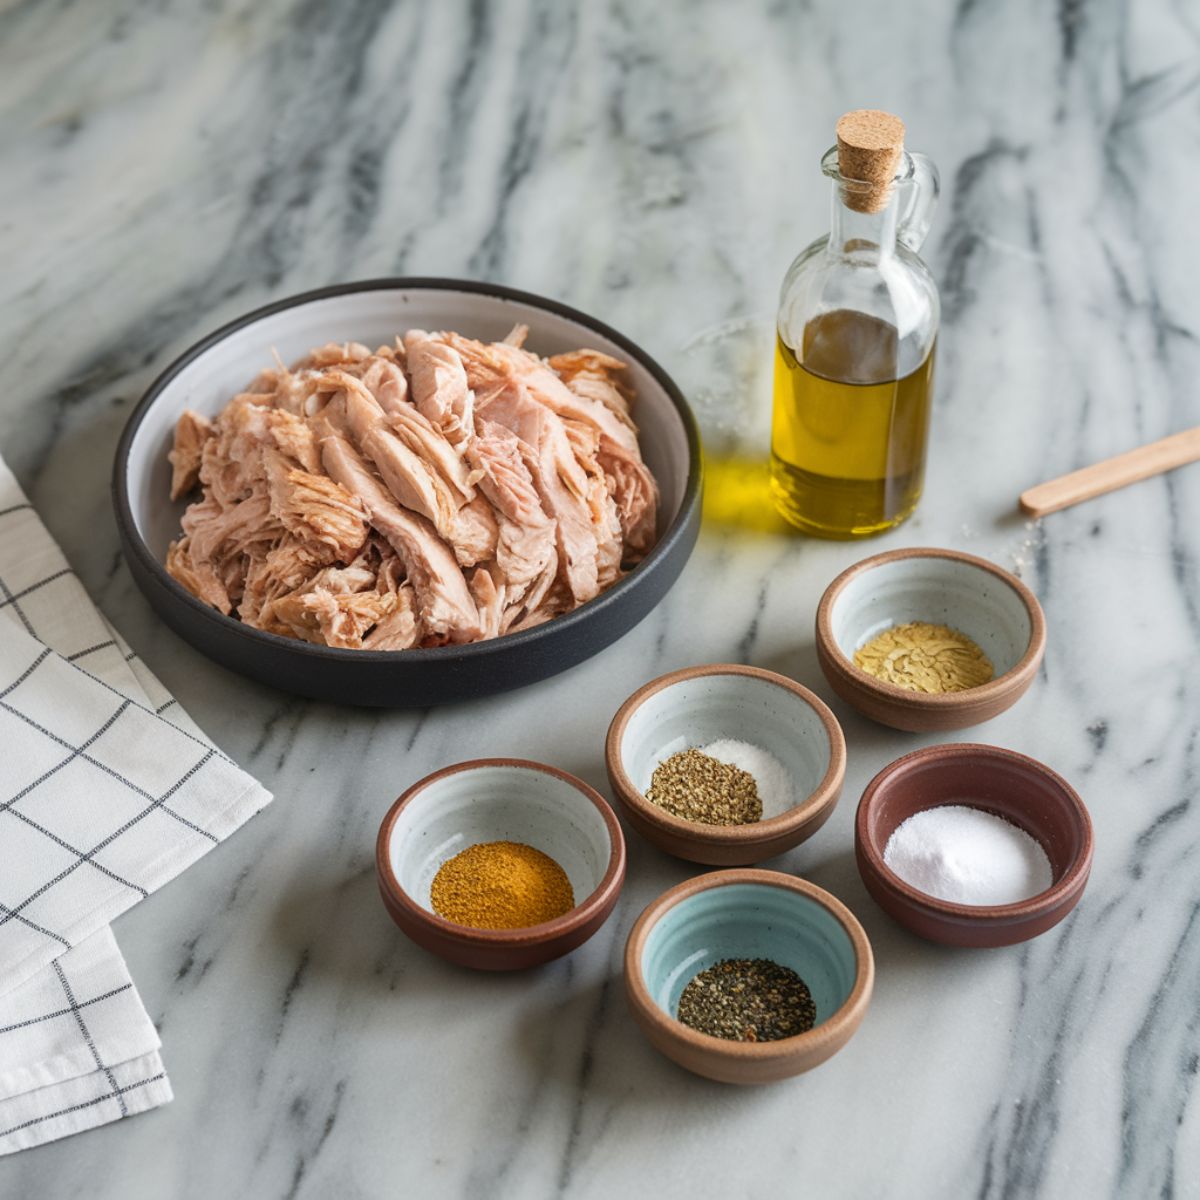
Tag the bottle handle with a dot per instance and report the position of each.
(920, 200)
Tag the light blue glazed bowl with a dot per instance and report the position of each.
(748, 914)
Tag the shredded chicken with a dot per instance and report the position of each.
(191, 432)
(441, 490)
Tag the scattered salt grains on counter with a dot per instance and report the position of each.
(776, 788)
(962, 854)
(1024, 556)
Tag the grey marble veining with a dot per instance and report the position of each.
(164, 167)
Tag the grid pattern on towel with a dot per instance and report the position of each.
(83, 1102)
(107, 791)
(101, 802)
(80, 1016)
(77, 1048)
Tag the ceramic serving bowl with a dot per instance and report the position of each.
(1010, 785)
(205, 377)
(942, 587)
(699, 705)
(494, 800)
(748, 914)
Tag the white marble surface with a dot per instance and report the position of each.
(164, 167)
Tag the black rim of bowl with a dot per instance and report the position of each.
(133, 540)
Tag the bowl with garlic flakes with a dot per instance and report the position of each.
(925, 639)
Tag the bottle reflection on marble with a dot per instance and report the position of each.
(723, 372)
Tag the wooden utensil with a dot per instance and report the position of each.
(1163, 455)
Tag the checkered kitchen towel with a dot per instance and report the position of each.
(107, 791)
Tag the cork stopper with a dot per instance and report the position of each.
(870, 143)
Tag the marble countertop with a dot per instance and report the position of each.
(164, 168)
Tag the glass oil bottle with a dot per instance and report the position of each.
(855, 339)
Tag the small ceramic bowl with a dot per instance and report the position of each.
(748, 914)
(494, 800)
(699, 705)
(1013, 786)
(943, 587)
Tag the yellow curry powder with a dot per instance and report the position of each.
(925, 658)
(501, 885)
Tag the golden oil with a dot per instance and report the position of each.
(737, 493)
(848, 435)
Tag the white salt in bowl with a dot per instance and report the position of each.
(1012, 786)
(499, 800)
(699, 705)
(942, 587)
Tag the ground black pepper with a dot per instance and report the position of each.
(747, 1000)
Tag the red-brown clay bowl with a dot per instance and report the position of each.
(494, 800)
(699, 705)
(943, 587)
(1010, 785)
(748, 914)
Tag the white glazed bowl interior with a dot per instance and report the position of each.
(375, 317)
(498, 804)
(708, 708)
(940, 591)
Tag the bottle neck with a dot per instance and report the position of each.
(854, 232)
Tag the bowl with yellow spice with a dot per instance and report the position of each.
(500, 863)
(925, 639)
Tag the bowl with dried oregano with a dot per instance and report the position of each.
(725, 764)
(924, 639)
(500, 864)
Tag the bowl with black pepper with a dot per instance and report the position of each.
(725, 764)
(924, 639)
(748, 976)
(500, 864)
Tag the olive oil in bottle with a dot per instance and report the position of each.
(848, 437)
(855, 338)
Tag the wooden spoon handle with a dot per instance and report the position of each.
(1112, 473)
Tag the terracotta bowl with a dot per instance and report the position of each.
(1013, 786)
(493, 800)
(748, 914)
(943, 587)
(700, 705)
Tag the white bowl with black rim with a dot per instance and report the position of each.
(208, 375)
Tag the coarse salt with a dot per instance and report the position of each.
(776, 788)
(968, 856)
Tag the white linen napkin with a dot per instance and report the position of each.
(107, 791)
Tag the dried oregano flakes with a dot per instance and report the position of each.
(697, 787)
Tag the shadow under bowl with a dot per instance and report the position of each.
(699, 705)
(748, 914)
(942, 587)
(1020, 789)
(494, 800)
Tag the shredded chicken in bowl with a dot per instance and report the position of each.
(442, 490)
